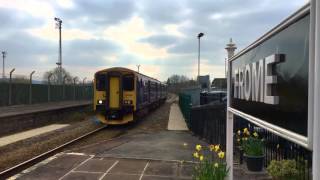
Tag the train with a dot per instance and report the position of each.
(121, 95)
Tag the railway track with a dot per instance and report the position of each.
(28, 163)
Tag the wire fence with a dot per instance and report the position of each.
(20, 89)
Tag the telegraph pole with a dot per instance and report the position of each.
(59, 63)
(4, 54)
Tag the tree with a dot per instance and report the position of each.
(177, 79)
(54, 79)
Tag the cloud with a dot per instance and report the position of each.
(12, 19)
(160, 40)
(95, 13)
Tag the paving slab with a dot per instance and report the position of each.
(176, 119)
(8, 111)
(165, 145)
(30, 133)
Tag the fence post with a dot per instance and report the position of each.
(49, 93)
(74, 88)
(30, 88)
(83, 88)
(10, 87)
(64, 88)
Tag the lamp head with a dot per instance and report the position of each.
(200, 35)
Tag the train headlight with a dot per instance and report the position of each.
(100, 101)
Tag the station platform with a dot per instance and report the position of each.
(16, 110)
(164, 155)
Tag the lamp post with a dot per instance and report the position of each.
(59, 63)
(4, 54)
(199, 36)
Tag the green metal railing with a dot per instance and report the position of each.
(185, 106)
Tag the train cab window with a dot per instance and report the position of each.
(101, 82)
(128, 83)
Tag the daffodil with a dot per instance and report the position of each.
(248, 133)
(245, 130)
(211, 147)
(201, 158)
(198, 147)
(196, 154)
(216, 165)
(255, 134)
(221, 154)
(217, 148)
(239, 132)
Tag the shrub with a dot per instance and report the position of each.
(283, 169)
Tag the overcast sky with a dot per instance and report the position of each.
(158, 34)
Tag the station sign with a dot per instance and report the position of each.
(270, 81)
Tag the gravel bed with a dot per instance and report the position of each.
(20, 151)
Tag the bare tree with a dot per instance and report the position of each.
(54, 79)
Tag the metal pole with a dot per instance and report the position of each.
(59, 63)
(315, 7)
(229, 129)
(10, 86)
(74, 88)
(30, 88)
(4, 53)
(199, 59)
(49, 92)
(64, 88)
(83, 88)
(138, 68)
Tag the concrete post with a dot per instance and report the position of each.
(10, 87)
(30, 88)
(49, 84)
(231, 47)
(315, 8)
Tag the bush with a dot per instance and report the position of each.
(283, 169)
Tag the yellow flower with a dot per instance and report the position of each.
(196, 155)
(245, 130)
(217, 148)
(211, 147)
(239, 132)
(248, 133)
(221, 154)
(255, 134)
(198, 147)
(216, 165)
(201, 158)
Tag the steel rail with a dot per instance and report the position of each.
(28, 163)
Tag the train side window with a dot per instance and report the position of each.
(100, 82)
(128, 83)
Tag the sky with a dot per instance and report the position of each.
(159, 35)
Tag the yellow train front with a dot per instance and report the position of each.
(120, 94)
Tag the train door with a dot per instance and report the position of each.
(114, 92)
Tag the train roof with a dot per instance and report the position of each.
(127, 69)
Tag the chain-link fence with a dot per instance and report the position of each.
(20, 89)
